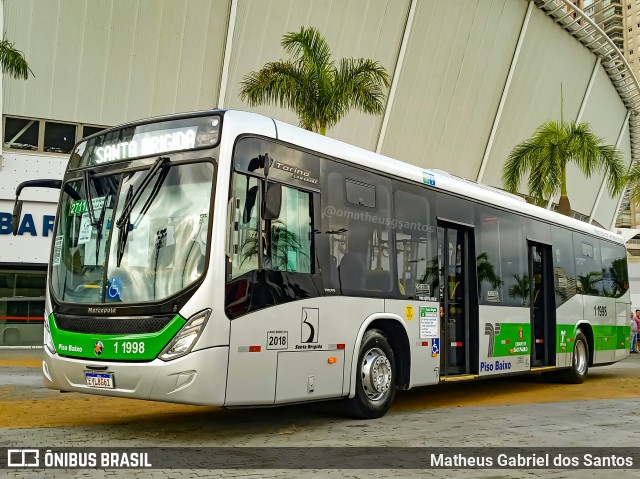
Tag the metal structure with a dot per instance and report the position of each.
(585, 30)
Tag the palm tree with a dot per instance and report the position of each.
(12, 62)
(311, 84)
(548, 152)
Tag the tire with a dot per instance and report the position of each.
(579, 362)
(375, 378)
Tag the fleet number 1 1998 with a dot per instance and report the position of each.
(129, 347)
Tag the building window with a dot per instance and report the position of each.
(630, 52)
(630, 29)
(34, 134)
(59, 137)
(90, 130)
(22, 306)
(21, 133)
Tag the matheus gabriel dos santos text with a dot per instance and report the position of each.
(519, 460)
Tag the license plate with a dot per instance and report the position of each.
(99, 380)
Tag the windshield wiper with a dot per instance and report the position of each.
(88, 199)
(123, 223)
(95, 222)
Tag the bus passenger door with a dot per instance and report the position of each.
(457, 337)
(542, 309)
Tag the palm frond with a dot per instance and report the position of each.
(310, 84)
(281, 83)
(360, 84)
(552, 146)
(538, 155)
(633, 180)
(309, 47)
(12, 61)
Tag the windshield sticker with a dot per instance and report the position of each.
(86, 229)
(80, 206)
(57, 250)
(114, 289)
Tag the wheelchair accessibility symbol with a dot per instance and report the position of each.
(435, 346)
(114, 288)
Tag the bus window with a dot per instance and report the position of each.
(614, 267)
(359, 234)
(564, 267)
(416, 245)
(246, 242)
(288, 244)
(501, 262)
(588, 264)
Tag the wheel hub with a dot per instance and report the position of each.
(580, 358)
(376, 374)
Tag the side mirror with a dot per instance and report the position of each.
(15, 218)
(272, 201)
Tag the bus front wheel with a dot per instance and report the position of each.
(375, 378)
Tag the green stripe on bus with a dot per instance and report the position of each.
(512, 339)
(116, 347)
(605, 338)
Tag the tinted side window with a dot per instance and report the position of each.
(564, 267)
(416, 243)
(358, 235)
(289, 240)
(615, 281)
(588, 264)
(501, 261)
(245, 234)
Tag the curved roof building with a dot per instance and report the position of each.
(470, 80)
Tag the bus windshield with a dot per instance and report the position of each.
(166, 236)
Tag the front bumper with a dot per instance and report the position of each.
(197, 378)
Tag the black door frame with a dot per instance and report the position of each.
(548, 306)
(468, 282)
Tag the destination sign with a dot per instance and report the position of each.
(146, 144)
(151, 139)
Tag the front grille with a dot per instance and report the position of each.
(140, 325)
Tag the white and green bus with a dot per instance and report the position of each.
(225, 258)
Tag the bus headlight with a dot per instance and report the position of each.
(48, 340)
(186, 338)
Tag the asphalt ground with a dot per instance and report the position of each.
(508, 412)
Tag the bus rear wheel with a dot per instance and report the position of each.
(580, 363)
(375, 379)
